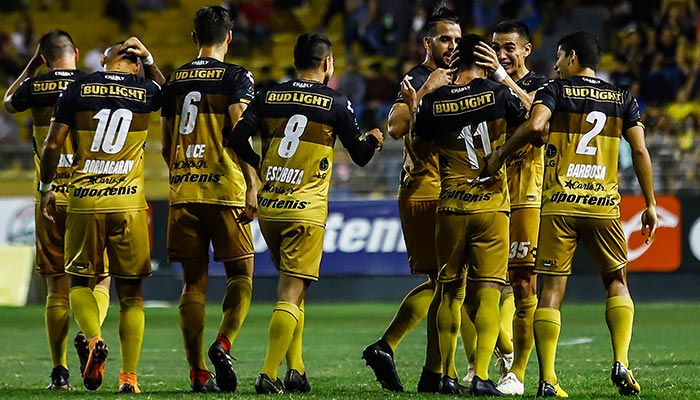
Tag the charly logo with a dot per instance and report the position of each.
(20, 227)
(667, 219)
(551, 151)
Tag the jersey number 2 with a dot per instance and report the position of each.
(292, 134)
(112, 129)
(598, 119)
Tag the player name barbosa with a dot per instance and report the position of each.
(586, 171)
(107, 167)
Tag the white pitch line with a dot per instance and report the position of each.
(576, 341)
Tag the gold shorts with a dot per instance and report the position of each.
(418, 225)
(559, 236)
(192, 226)
(49, 241)
(295, 247)
(479, 241)
(123, 236)
(524, 226)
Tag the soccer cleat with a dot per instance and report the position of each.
(294, 382)
(471, 371)
(624, 380)
(546, 389)
(59, 378)
(201, 382)
(223, 364)
(95, 365)
(504, 362)
(128, 383)
(380, 358)
(482, 387)
(265, 385)
(511, 385)
(451, 386)
(80, 343)
(429, 382)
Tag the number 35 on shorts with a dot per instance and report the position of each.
(519, 249)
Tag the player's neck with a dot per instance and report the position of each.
(429, 62)
(519, 74)
(588, 72)
(215, 52)
(468, 75)
(312, 75)
(63, 64)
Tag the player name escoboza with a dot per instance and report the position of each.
(463, 104)
(294, 97)
(112, 90)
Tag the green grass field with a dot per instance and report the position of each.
(664, 353)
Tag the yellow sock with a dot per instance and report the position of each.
(412, 310)
(294, 358)
(239, 291)
(85, 310)
(468, 332)
(547, 325)
(56, 318)
(192, 316)
(487, 327)
(448, 322)
(282, 325)
(132, 321)
(523, 337)
(433, 361)
(101, 295)
(505, 336)
(619, 314)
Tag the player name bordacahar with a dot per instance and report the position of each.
(463, 104)
(309, 99)
(199, 74)
(112, 90)
(578, 92)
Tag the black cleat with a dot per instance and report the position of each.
(223, 365)
(451, 386)
(59, 378)
(429, 382)
(80, 342)
(380, 358)
(482, 387)
(624, 380)
(94, 371)
(294, 382)
(265, 385)
(546, 389)
(201, 382)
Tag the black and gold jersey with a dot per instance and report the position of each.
(196, 99)
(108, 114)
(39, 94)
(525, 168)
(588, 118)
(420, 174)
(299, 122)
(467, 122)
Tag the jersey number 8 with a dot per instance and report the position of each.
(292, 134)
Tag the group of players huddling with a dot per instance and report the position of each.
(481, 177)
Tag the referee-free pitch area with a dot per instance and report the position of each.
(665, 354)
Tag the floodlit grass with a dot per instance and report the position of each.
(664, 353)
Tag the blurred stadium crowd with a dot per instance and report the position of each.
(651, 48)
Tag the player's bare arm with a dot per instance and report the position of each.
(29, 70)
(50, 155)
(645, 176)
(249, 174)
(488, 59)
(134, 46)
(166, 128)
(397, 124)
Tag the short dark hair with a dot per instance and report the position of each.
(465, 47)
(439, 14)
(125, 55)
(585, 44)
(55, 44)
(212, 24)
(309, 50)
(513, 26)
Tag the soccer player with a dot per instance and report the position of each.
(299, 122)
(466, 121)
(39, 93)
(505, 61)
(587, 118)
(209, 201)
(105, 115)
(418, 194)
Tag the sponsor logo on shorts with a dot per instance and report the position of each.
(79, 266)
(281, 203)
(81, 192)
(548, 263)
(465, 196)
(587, 199)
(574, 185)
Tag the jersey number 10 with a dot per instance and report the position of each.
(112, 130)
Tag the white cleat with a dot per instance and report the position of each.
(471, 371)
(504, 364)
(511, 385)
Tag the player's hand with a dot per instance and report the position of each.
(134, 46)
(47, 205)
(410, 97)
(486, 57)
(437, 79)
(491, 168)
(650, 221)
(379, 136)
(251, 207)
